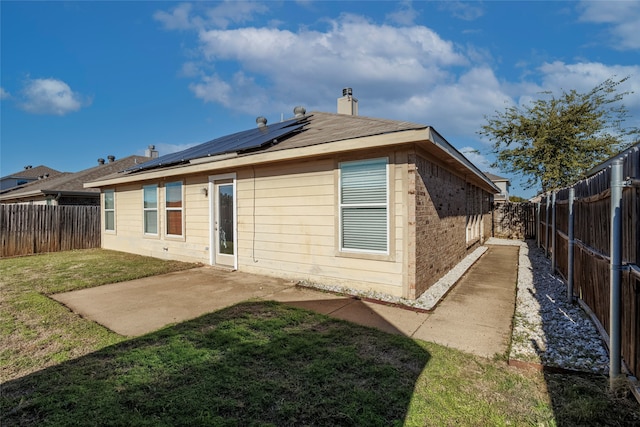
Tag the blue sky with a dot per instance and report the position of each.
(83, 80)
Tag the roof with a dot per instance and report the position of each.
(71, 183)
(311, 135)
(33, 173)
(496, 178)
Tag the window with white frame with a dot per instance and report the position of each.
(150, 209)
(173, 208)
(364, 210)
(109, 210)
(474, 212)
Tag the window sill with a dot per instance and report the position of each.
(366, 255)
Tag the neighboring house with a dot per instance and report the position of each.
(371, 204)
(68, 188)
(503, 184)
(27, 175)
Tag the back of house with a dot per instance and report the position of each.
(336, 199)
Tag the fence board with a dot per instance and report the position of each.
(31, 229)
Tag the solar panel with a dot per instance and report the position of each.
(237, 142)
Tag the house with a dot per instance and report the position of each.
(503, 184)
(68, 188)
(27, 175)
(334, 199)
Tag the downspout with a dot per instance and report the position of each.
(570, 255)
(615, 272)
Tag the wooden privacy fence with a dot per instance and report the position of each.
(575, 230)
(514, 220)
(32, 229)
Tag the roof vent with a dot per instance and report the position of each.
(299, 111)
(101, 161)
(28, 167)
(347, 91)
(111, 159)
(261, 121)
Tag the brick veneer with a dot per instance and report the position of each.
(442, 200)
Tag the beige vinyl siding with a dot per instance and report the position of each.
(295, 232)
(287, 227)
(194, 246)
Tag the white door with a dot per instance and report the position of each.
(224, 226)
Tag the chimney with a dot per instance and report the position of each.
(348, 104)
(101, 161)
(261, 121)
(111, 158)
(151, 152)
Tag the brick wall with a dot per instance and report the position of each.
(441, 208)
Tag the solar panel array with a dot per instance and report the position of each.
(234, 143)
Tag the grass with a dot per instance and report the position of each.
(36, 331)
(256, 363)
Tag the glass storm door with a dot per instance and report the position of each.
(224, 224)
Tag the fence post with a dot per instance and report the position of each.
(553, 232)
(546, 227)
(615, 272)
(538, 224)
(572, 193)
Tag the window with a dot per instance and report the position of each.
(173, 204)
(109, 210)
(150, 208)
(364, 206)
(474, 213)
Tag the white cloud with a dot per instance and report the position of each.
(405, 15)
(4, 94)
(478, 159)
(178, 19)
(220, 16)
(50, 96)
(622, 18)
(467, 11)
(312, 66)
(407, 72)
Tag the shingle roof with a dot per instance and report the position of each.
(317, 128)
(33, 173)
(495, 178)
(72, 182)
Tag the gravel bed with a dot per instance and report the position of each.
(547, 330)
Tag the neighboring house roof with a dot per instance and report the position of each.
(70, 184)
(306, 136)
(496, 178)
(32, 173)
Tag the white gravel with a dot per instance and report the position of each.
(547, 329)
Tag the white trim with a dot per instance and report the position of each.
(386, 205)
(212, 242)
(104, 211)
(181, 209)
(145, 210)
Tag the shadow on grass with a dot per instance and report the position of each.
(256, 363)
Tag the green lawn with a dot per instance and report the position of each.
(256, 363)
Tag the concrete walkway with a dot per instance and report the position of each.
(474, 317)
